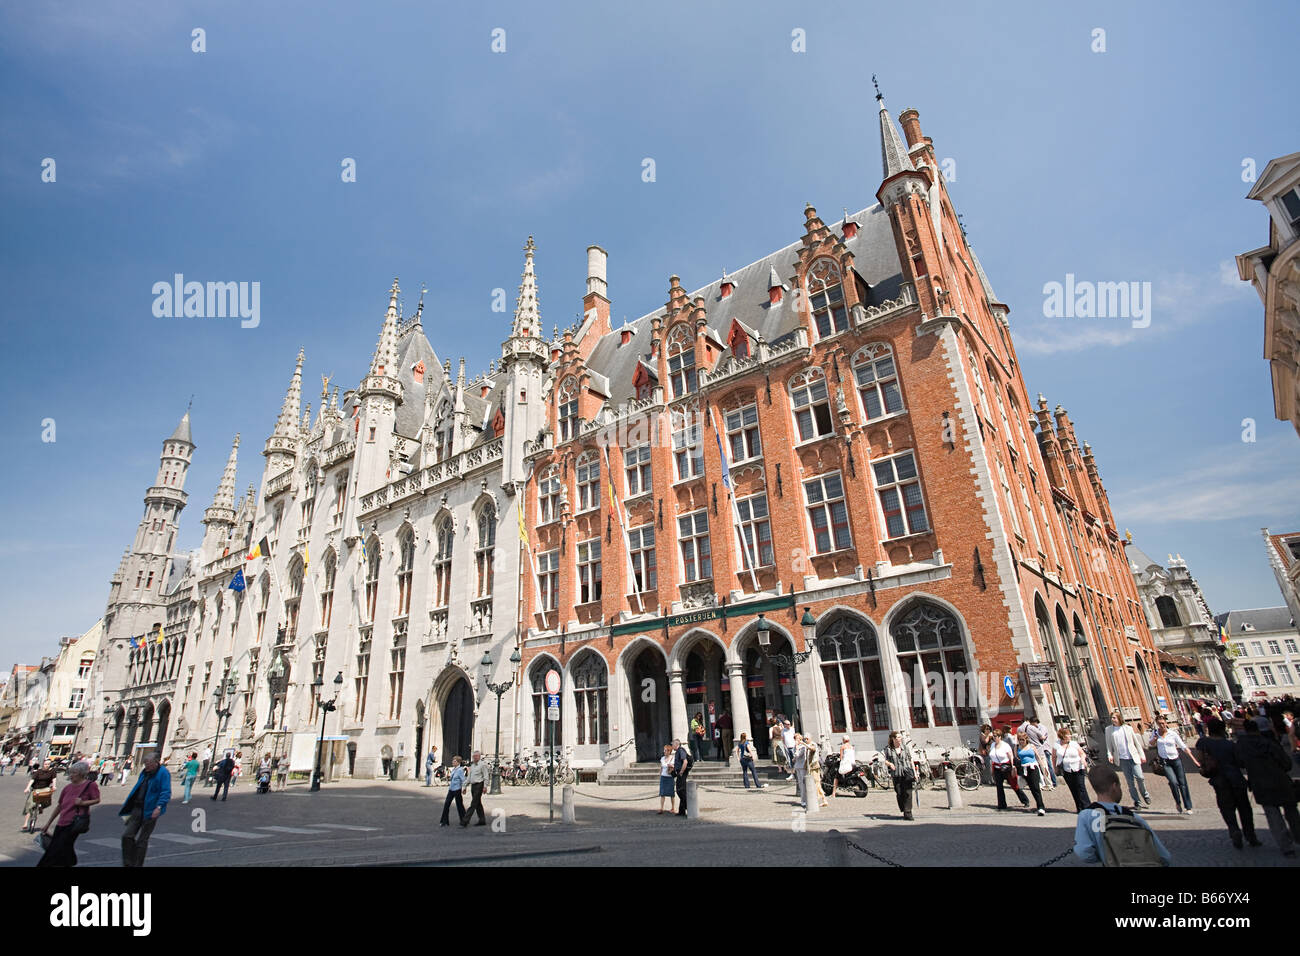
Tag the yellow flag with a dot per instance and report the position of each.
(160, 633)
(306, 555)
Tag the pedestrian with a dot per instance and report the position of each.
(430, 764)
(5, 760)
(1198, 724)
(799, 764)
(207, 762)
(697, 736)
(1125, 749)
(455, 783)
(39, 793)
(787, 741)
(72, 817)
(1041, 739)
(224, 772)
(898, 760)
(1071, 763)
(1170, 748)
(282, 772)
(107, 768)
(190, 773)
(986, 765)
(666, 791)
(1268, 770)
(1002, 758)
(124, 770)
(1221, 764)
(239, 767)
(779, 756)
(1123, 847)
(682, 764)
(726, 731)
(848, 758)
(146, 802)
(745, 748)
(814, 761)
(477, 776)
(1031, 770)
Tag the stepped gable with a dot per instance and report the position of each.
(875, 260)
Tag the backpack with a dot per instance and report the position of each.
(1125, 841)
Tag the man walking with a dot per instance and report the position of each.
(787, 741)
(477, 777)
(724, 727)
(1040, 740)
(799, 764)
(1268, 767)
(207, 762)
(430, 764)
(1124, 748)
(223, 773)
(145, 804)
(682, 763)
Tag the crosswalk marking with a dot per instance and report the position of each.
(183, 838)
(104, 842)
(289, 830)
(240, 834)
(345, 826)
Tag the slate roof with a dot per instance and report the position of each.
(1263, 618)
(182, 432)
(875, 259)
(1140, 559)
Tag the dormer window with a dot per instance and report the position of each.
(681, 362)
(741, 347)
(568, 411)
(826, 295)
(1291, 207)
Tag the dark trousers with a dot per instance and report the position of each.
(135, 838)
(61, 851)
(681, 793)
(695, 746)
(1074, 779)
(1177, 778)
(1034, 777)
(903, 793)
(222, 783)
(460, 806)
(475, 805)
(1284, 823)
(1001, 776)
(1234, 802)
(747, 770)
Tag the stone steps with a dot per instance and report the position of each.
(704, 772)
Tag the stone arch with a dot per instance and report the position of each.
(975, 697)
(687, 643)
(644, 697)
(589, 690)
(453, 712)
(534, 687)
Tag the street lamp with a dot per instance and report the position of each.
(325, 707)
(224, 689)
(788, 662)
(499, 690)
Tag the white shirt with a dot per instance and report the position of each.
(477, 772)
(787, 738)
(848, 759)
(1000, 753)
(665, 766)
(1121, 743)
(1070, 755)
(1169, 745)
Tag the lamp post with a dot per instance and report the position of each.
(325, 707)
(788, 661)
(499, 690)
(277, 683)
(224, 689)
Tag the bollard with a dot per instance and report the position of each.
(692, 800)
(814, 795)
(954, 792)
(837, 850)
(566, 805)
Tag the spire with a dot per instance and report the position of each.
(893, 153)
(224, 499)
(385, 360)
(182, 432)
(528, 317)
(287, 424)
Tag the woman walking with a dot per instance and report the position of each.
(1002, 759)
(779, 756)
(666, 782)
(745, 748)
(1033, 773)
(239, 766)
(1072, 764)
(72, 816)
(899, 762)
(814, 771)
(191, 773)
(455, 783)
(1170, 747)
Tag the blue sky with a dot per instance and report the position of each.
(225, 165)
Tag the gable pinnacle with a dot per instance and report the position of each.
(528, 318)
(385, 360)
(286, 425)
(893, 154)
(224, 499)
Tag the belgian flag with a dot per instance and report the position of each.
(260, 550)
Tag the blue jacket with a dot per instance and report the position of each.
(155, 797)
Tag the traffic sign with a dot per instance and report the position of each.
(552, 706)
(553, 682)
(1009, 686)
(552, 713)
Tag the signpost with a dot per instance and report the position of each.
(1040, 672)
(1009, 686)
(552, 715)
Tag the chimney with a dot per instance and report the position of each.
(728, 285)
(911, 123)
(774, 288)
(595, 304)
(483, 393)
(624, 335)
(850, 227)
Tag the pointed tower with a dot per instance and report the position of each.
(378, 397)
(524, 358)
(281, 449)
(219, 519)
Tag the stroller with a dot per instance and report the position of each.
(264, 780)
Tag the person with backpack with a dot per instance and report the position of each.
(1268, 769)
(1222, 766)
(1113, 835)
(682, 764)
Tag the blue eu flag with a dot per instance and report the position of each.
(237, 582)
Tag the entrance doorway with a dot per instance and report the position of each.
(648, 687)
(771, 691)
(458, 722)
(704, 684)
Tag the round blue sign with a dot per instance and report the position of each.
(1009, 686)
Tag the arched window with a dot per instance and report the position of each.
(681, 361)
(811, 403)
(264, 602)
(826, 297)
(568, 409)
(588, 476)
(877, 378)
(372, 578)
(942, 690)
(487, 540)
(444, 537)
(590, 691)
(405, 569)
(294, 602)
(850, 656)
(1168, 611)
(327, 592)
(548, 496)
(537, 680)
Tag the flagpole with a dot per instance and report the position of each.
(731, 494)
(622, 527)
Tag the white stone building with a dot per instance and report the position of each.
(66, 698)
(1267, 648)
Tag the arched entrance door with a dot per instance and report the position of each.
(771, 690)
(419, 738)
(705, 684)
(651, 720)
(164, 718)
(458, 721)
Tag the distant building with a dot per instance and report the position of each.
(66, 699)
(1284, 558)
(1267, 646)
(1274, 271)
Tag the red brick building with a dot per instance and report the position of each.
(834, 445)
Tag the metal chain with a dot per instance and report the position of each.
(1058, 858)
(874, 856)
